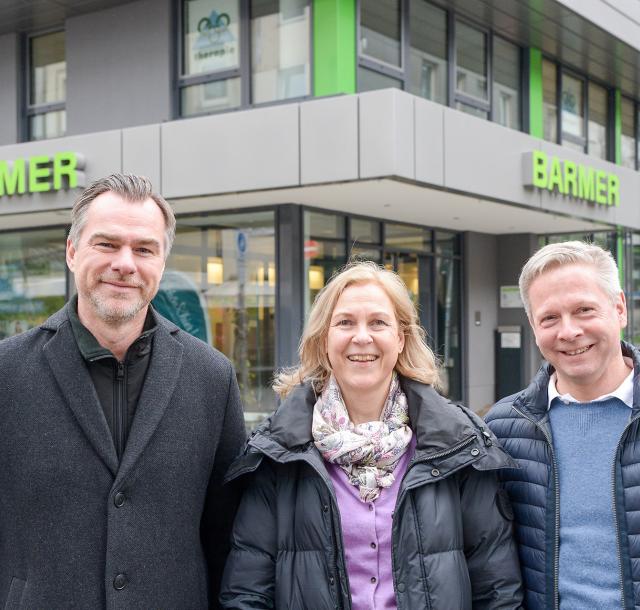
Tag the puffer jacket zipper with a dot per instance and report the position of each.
(556, 541)
(120, 407)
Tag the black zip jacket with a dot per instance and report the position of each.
(451, 530)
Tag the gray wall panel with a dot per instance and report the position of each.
(481, 296)
(102, 154)
(119, 64)
(329, 140)
(386, 129)
(10, 79)
(141, 152)
(239, 151)
(429, 139)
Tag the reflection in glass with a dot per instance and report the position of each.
(48, 69)
(280, 48)
(210, 36)
(572, 106)
(48, 125)
(598, 120)
(368, 80)
(628, 135)
(406, 237)
(407, 269)
(380, 30)
(449, 347)
(471, 62)
(428, 52)
(318, 224)
(506, 83)
(447, 244)
(550, 103)
(364, 231)
(210, 97)
(482, 114)
(32, 278)
(320, 263)
(220, 285)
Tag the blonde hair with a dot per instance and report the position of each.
(553, 256)
(416, 361)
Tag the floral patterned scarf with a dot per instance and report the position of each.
(367, 452)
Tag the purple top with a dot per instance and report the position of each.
(366, 533)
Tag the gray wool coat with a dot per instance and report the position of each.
(66, 540)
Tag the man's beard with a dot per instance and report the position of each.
(113, 313)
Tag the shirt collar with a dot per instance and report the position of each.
(624, 391)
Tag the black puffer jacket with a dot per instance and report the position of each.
(452, 542)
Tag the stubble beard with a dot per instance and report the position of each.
(118, 309)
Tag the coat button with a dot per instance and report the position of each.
(374, 580)
(435, 472)
(331, 580)
(475, 452)
(120, 582)
(400, 587)
(119, 499)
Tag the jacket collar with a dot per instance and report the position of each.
(437, 423)
(533, 399)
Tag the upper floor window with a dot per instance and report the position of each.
(628, 132)
(240, 52)
(46, 114)
(576, 111)
(437, 56)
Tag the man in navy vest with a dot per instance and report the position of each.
(575, 434)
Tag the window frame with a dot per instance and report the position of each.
(32, 110)
(452, 97)
(243, 71)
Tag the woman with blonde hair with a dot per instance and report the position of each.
(366, 489)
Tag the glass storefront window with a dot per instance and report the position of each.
(369, 80)
(48, 125)
(220, 285)
(47, 86)
(447, 244)
(428, 52)
(48, 69)
(210, 97)
(598, 120)
(506, 83)
(362, 230)
(573, 124)
(471, 62)
(628, 136)
(32, 278)
(550, 100)
(280, 49)
(322, 225)
(380, 30)
(210, 36)
(449, 328)
(406, 237)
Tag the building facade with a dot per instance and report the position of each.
(445, 140)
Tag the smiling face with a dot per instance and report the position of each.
(577, 328)
(118, 260)
(363, 343)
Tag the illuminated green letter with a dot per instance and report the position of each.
(64, 164)
(613, 195)
(539, 169)
(555, 176)
(12, 181)
(586, 183)
(601, 189)
(38, 171)
(570, 179)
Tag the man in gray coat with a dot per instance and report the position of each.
(116, 429)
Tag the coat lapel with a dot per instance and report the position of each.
(76, 386)
(159, 385)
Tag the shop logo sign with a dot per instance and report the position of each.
(213, 36)
(542, 171)
(41, 174)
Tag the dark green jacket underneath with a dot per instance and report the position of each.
(452, 530)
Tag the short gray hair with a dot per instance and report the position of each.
(571, 253)
(130, 187)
